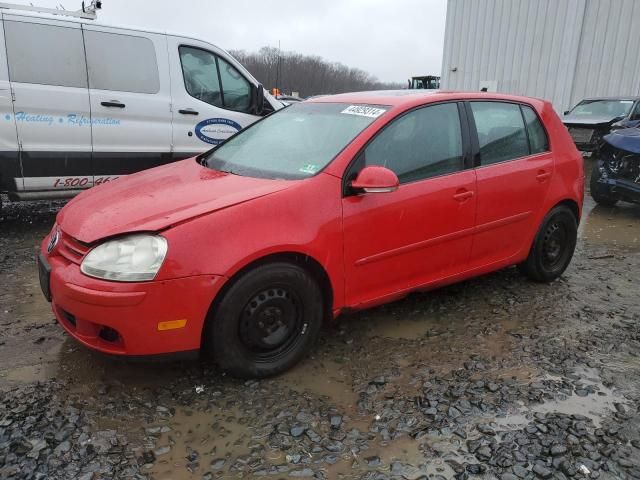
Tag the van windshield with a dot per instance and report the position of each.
(296, 142)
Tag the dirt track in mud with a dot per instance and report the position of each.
(496, 377)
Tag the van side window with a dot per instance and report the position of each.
(538, 140)
(200, 72)
(501, 131)
(423, 143)
(236, 89)
(123, 63)
(45, 54)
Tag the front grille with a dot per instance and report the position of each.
(581, 135)
(71, 249)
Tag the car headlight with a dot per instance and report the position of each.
(132, 258)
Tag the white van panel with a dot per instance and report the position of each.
(51, 108)
(130, 72)
(10, 175)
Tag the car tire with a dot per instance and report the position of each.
(599, 192)
(266, 321)
(552, 247)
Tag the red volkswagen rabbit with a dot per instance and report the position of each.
(342, 202)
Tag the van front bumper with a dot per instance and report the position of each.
(133, 319)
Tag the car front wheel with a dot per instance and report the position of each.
(553, 246)
(266, 321)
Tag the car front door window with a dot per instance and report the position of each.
(421, 144)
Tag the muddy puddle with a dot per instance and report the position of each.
(591, 399)
(612, 229)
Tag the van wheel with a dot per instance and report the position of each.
(266, 321)
(553, 246)
(600, 193)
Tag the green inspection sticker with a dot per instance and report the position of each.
(309, 168)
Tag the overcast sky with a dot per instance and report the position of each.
(392, 39)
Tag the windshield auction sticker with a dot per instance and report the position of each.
(363, 111)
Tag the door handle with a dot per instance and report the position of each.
(463, 195)
(543, 175)
(188, 111)
(113, 103)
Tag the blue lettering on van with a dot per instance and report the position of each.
(33, 118)
(81, 120)
(216, 130)
(73, 119)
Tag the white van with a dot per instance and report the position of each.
(82, 103)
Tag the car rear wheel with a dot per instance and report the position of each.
(266, 321)
(601, 193)
(553, 246)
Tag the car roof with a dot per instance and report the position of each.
(408, 98)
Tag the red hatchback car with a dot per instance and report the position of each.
(343, 202)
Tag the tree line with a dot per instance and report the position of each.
(307, 74)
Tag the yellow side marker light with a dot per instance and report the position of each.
(171, 324)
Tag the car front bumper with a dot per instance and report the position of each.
(625, 189)
(133, 319)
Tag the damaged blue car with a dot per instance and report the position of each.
(616, 176)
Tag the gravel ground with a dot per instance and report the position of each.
(496, 377)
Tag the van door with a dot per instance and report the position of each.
(10, 174)
(130, 100)
(211, 95)
(48, 78)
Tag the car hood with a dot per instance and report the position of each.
(627, 139)
(590, 122)
(158, 198)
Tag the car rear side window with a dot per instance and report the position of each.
(45, 54)
(423, 143)
(123, 63)
(501, 131)
(538, 141)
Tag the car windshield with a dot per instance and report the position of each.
(603, 108)
(297, 142)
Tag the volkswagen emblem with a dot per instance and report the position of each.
(53, 240)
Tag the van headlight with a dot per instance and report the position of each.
(132, 258)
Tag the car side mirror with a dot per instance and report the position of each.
(566, 112)
(375, 179)
(257, 99)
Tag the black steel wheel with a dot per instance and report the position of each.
(553, 246)
(266, 321)
(270, 321)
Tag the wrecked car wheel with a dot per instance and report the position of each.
(553, 246)
(601, 193)
(266, 321)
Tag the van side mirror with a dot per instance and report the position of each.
(375, 179)
(257, 99)
(566, 112)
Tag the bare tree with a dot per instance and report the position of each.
(307, 74)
